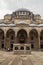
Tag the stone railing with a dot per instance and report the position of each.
(23, 50)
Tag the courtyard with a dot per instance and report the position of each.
(8, 58)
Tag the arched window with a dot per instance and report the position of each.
(27, 48)
(22, 48)
(16, 48)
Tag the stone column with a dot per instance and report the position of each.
(36, 45)
(15, 39)
(39, 41)
(24, 49)
(7, 43)
(19, 47)
(28, 39)
(4, 41)
(13, 48)
(0, 43)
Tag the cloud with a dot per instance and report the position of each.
(36, 6)
(2, 5)
(4, 12)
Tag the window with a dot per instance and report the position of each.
(32, 38)
(20, 13)
(40, 37)
(16, 48)
(27, 48)
(41, 46)
(2, 41)
(2, 46)
(3, 37)
(11, 45)
(11, 37)
(23, 12)
(32, 46)
(22, 48)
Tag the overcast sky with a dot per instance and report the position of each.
(8, 6)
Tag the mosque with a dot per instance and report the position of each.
(22, 30)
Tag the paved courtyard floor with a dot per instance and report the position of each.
(8, 58)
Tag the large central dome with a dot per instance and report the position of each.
(22, 13)
(22, 9)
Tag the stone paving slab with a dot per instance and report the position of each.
(8, 58)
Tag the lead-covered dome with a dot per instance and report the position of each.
(22, 13)
(22, 9)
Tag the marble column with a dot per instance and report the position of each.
(24, 49)
(39, 41)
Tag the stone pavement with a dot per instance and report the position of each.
(8, 58)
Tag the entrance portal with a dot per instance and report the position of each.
(22, 36)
